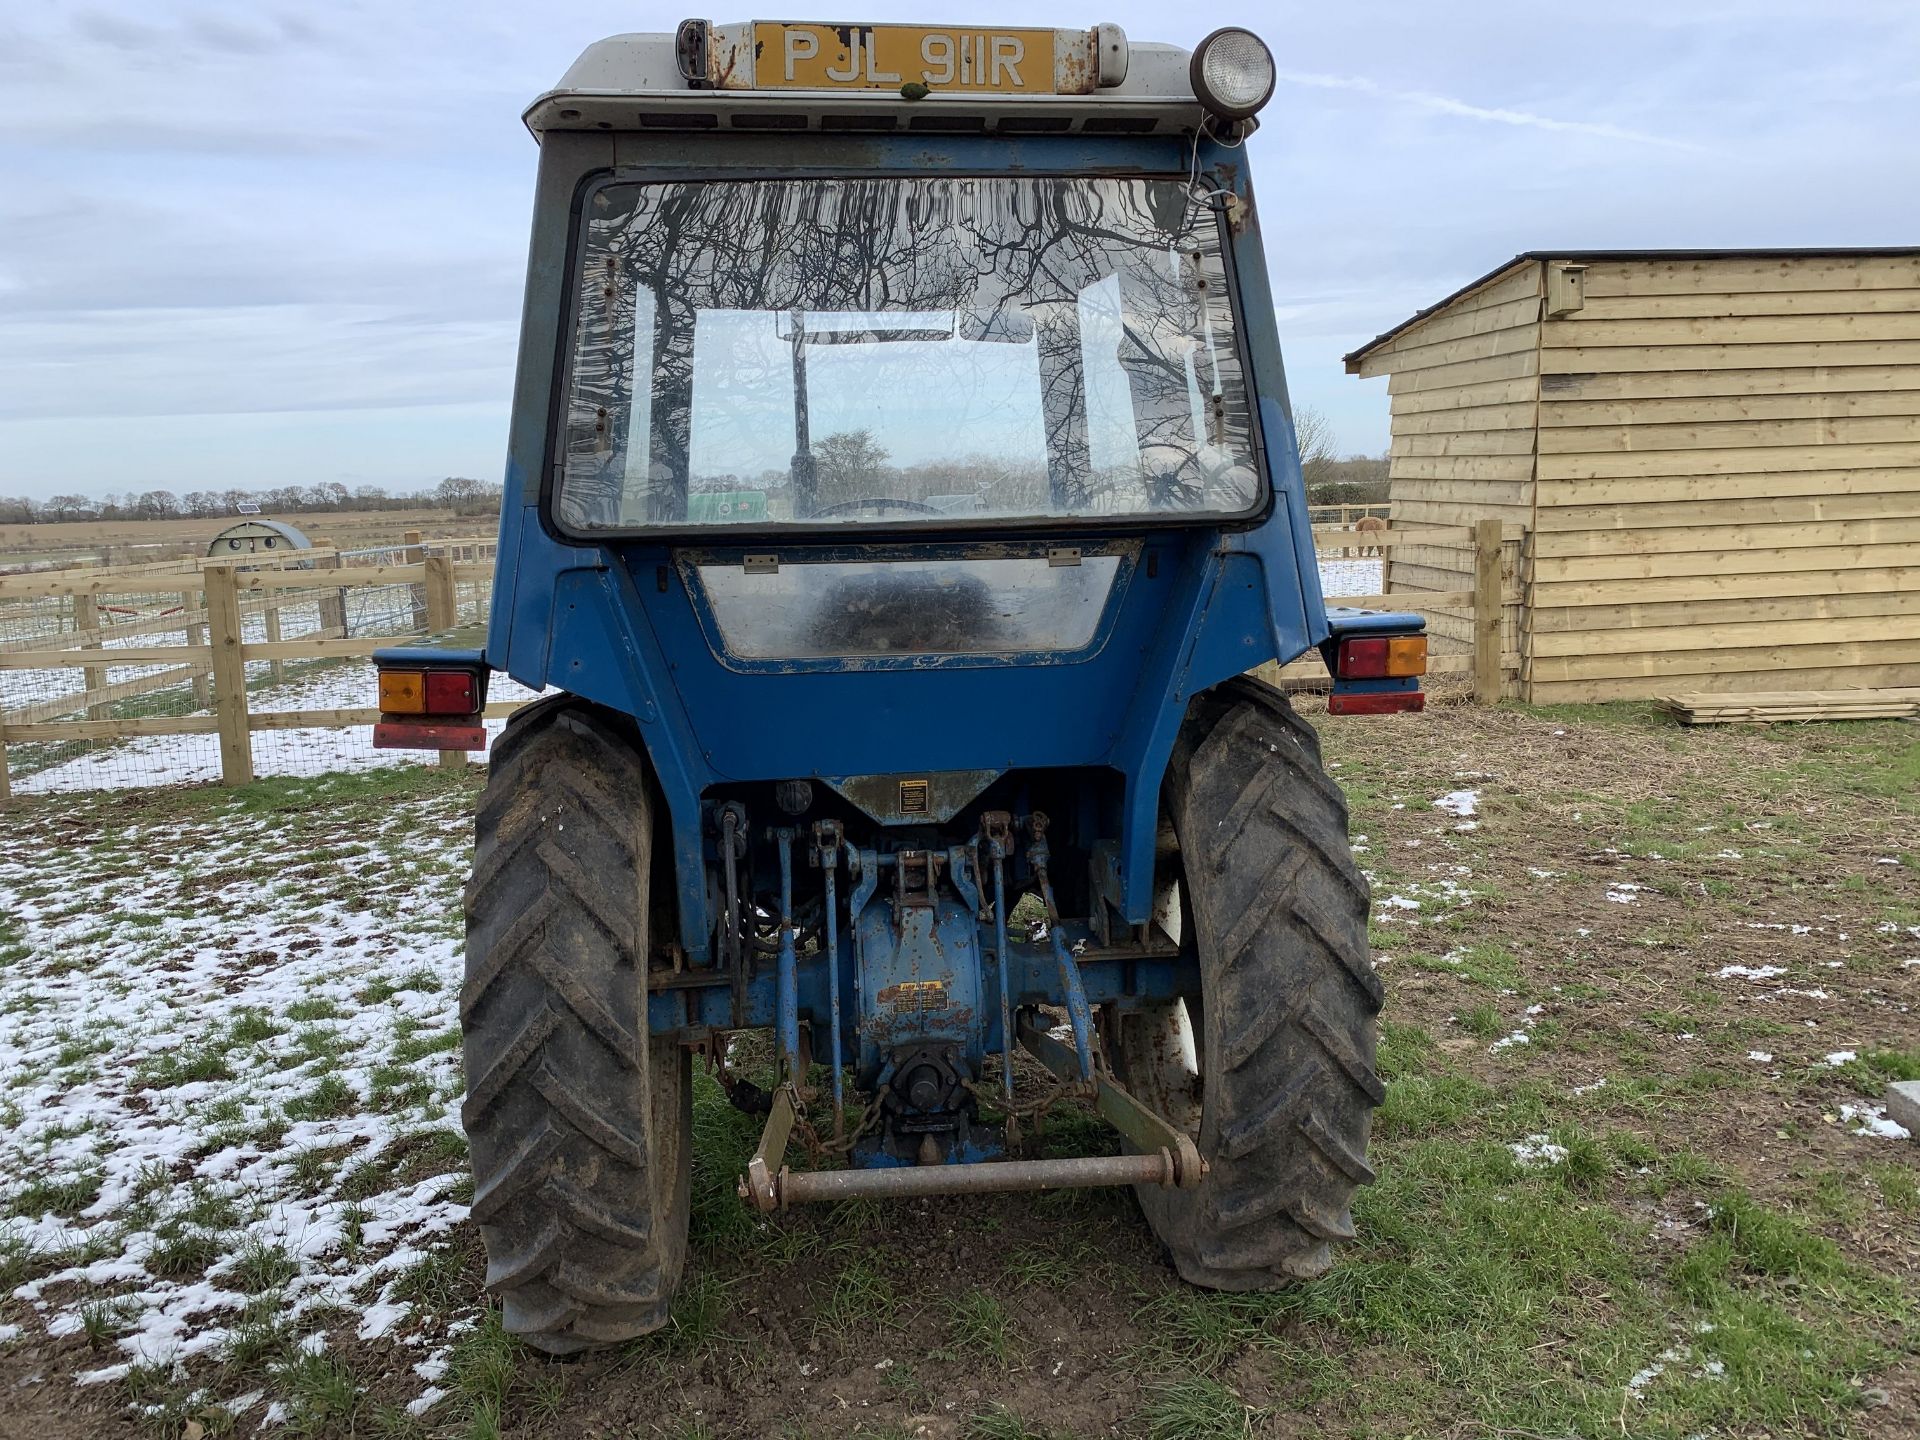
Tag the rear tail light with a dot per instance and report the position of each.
(429, 692)
(1381, 657)
(451, 692)
(403, 692)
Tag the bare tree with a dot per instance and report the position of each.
(70, 507)
(1313, 433)
(849, 462)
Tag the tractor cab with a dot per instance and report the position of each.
(900, 480)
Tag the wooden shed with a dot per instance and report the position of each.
(1715, 455)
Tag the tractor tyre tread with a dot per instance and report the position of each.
(577, 1126)
(1288, 1076)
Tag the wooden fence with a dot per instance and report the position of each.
(1491, 656)
(1345, 515)
(213, 600)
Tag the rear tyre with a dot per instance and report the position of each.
(1275, 1075)
(579, 1127)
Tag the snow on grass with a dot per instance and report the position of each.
(1524, 1035)
(1646, 1375)
(1538, 1150)
(229, 1079)
(1461, 803)
(1871, 1120)
(1435, 897)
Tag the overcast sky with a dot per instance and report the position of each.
(251, 244)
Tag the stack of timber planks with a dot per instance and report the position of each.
(1717, 456)
(1762, 706)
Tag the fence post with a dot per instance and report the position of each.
(443, 614)
(95, 676)
(441, 611)
(190, 601)
(229, 674)
(1487, 611)
(333, 607)
(416, 554)
(276, 669)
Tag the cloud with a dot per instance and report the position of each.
(1446, 105)
(235, 37)
(242, 359)
(292, 237)
(197, 36)
(120, 32)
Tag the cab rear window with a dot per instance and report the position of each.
(950, 351)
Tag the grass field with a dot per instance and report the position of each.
(1645, 987)
(122, 542)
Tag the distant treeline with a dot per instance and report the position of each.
(1358, 480)
(456, 493)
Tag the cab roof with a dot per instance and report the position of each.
(637, 82)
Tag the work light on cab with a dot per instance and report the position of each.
(1233, 73)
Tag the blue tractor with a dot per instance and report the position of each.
(901, 486)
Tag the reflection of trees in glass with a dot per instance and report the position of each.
(850, 465)
(1114, 283)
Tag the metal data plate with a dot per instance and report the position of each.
(781, 55)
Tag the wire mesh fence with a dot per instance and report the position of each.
(108, 678)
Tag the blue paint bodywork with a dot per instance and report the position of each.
(624, 624)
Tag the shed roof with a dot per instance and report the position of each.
(1593, 256)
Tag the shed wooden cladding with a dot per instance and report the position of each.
(1716, 456)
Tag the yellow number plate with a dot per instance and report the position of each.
(885, 57)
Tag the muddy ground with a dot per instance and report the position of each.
(1645, 986)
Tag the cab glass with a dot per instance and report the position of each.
(950, 352)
